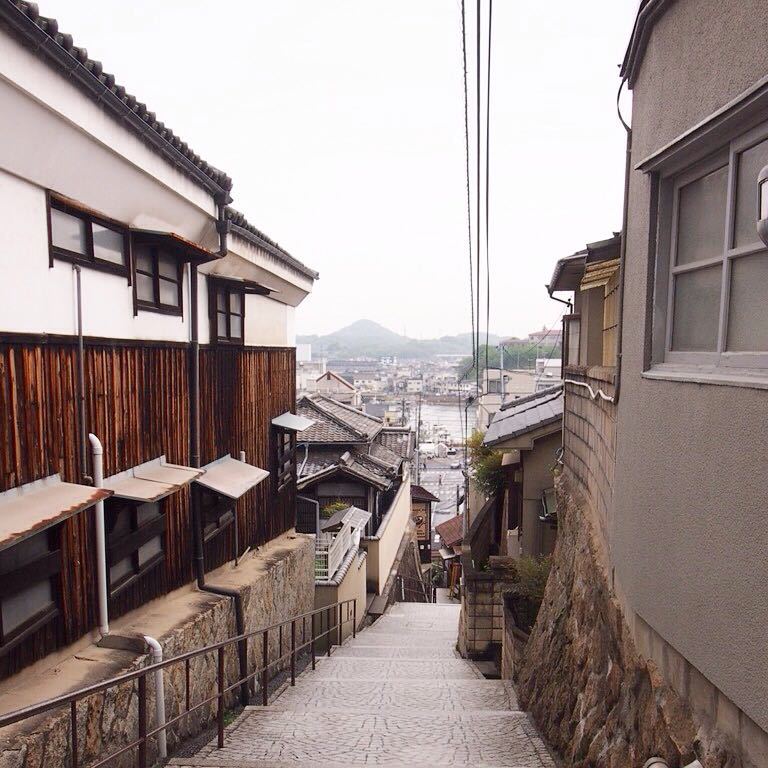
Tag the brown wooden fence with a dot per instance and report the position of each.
(137, 398)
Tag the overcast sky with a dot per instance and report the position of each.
(342, 125)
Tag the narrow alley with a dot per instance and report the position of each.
(397, 695)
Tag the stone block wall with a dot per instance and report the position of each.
(589, 439)
(596, 699)
(513, 642)
(282, 586)
(481, 623)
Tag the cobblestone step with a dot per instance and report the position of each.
(270, 737)
(396, 652)
(393, 695)
(396, 639)
(382, 669)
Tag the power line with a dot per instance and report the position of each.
(475, 352)
(479, 152)
(487, 188)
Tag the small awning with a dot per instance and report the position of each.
(358, 518)
(33, 507)
(243, 283)
(151, 481)
(291, 422)
(448, 554)
(230, 477)
(184, 249)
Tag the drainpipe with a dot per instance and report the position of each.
(156, 654)
(197, 524)
(623, 251)
(222, 225)
(101, 547)
(86, 478)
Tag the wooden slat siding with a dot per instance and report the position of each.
(137, 399)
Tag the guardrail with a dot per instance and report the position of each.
(409, 590)
(341, 613)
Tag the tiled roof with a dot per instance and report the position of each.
(42, 35)
(525, 415)
(422, 494)
(451, 531)
(398, 440)
(326, 429)
(247, 231)
(384, 455)
(335, 422)
(352, 462)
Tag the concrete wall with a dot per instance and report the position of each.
(276, 583)
(538, 538)
(382, 549)
(689, 533)
(352, 587)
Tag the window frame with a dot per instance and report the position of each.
(47, 566)
(217, 288)
(155, 251)
(218, 516)
(285, 456)
(88, 259)
(719, 361)
(128, 545)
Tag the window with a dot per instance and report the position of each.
(135, 540)
(217, 513)
(571, 333)
(286, 458)
(85, 238)
(714, 266)
(228, 318)
(28, 587)
(158, 279)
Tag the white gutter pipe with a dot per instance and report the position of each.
(156, 653)
(101, 545)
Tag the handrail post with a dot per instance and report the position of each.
(312, 643)
(265, 671)
(220, 713)
(142, 756)
(73, 713)
(293, 652)
(328, 629)
(354, 619)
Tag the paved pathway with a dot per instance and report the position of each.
(398, 695)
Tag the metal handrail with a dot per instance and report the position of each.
(423, 590)
(140, 675)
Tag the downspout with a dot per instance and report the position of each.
(623, 252)
(86, 478)
(156, 654)
(195, 460)
(101, 546)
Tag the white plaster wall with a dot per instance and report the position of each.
(35, 298)
(268, 323)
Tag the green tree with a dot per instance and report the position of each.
(484, 465)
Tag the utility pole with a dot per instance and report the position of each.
(501, 373)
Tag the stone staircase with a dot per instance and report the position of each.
(397, 695)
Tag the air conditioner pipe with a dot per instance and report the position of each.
(195, 460)
(156, 654)
(97, 452)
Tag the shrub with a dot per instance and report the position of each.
(335, 506)
(485, 465)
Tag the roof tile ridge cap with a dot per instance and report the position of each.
(532, 406)
(354, 410)
(337, 420)
(553, 390)
(64, 41)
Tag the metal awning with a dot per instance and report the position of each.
(31, 508)
(291, 422)
(447, 554)
(151, 481)
(230, 477)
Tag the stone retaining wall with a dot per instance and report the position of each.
(595, 699)
(283, 588)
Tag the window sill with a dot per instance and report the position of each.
(737, 377)
(83, 261)
(160, 310)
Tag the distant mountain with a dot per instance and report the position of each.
(365, 338)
